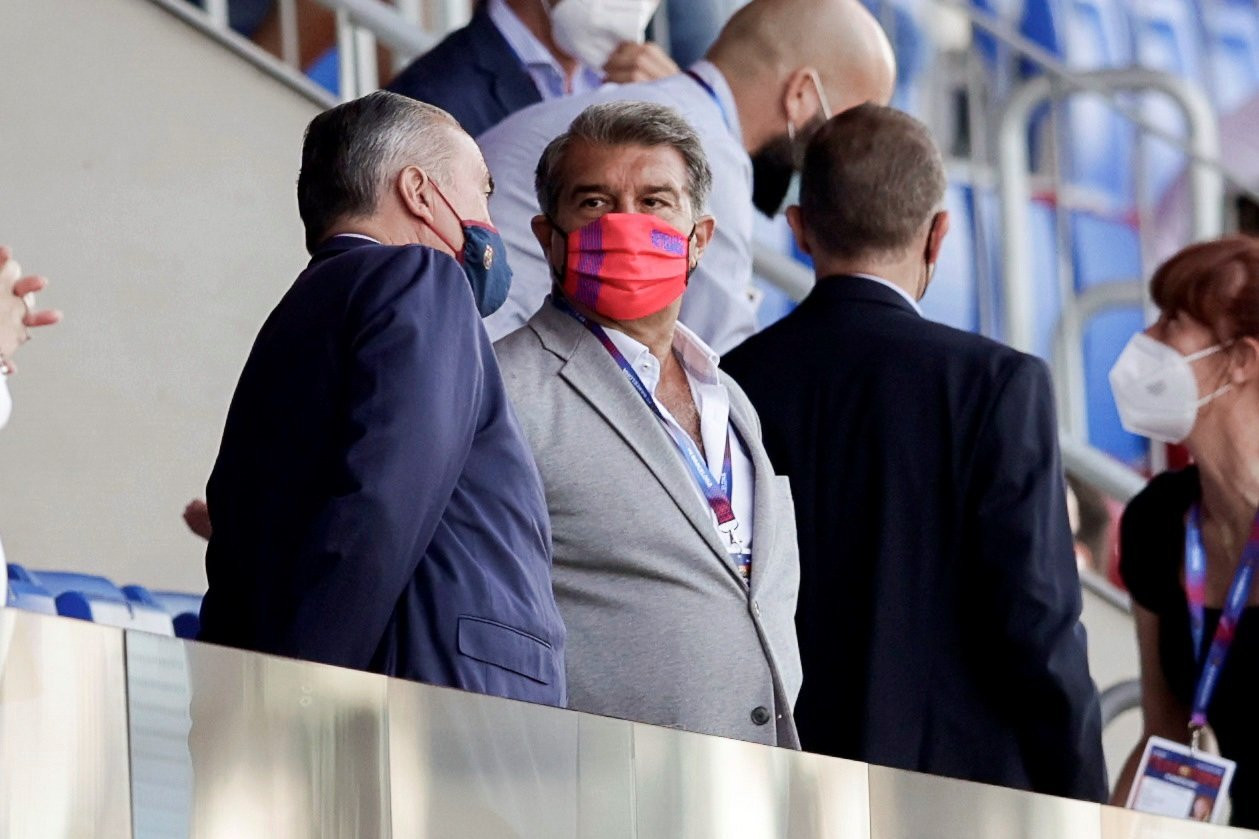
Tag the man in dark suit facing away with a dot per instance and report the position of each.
(509, 57)
(939, 600)
(374, 503)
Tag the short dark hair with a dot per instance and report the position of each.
(872, 178)
(353, 151)
(625, 123)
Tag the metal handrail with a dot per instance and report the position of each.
(1118, 699)
(1087, 81)
(1013, 164)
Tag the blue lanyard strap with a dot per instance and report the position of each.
(1234, 606)
(712, 92)
(716, 493)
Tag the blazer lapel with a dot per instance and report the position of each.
(510, 83)
(594, 375)
(764, 505)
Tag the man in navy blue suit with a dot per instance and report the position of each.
(507, 58)
(939, 616)
(374, 503)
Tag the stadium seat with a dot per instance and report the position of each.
(1089, 35)
(903, 21)
(953, 298)
(94, 598)
(1104, 338)
(19, 573)
(184, 610)
(1167, 35)
(31, 598)
(1232, 43)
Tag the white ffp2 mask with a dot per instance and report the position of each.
(591, 30)
(1155, 389)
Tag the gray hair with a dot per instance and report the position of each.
(353, 152)
(625, 124)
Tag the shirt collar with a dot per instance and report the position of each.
(713, 77)
(902, 292)
(530, 51)
(359, 236)
(697, 358)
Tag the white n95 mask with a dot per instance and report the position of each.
(1155, 389)
(591, 30)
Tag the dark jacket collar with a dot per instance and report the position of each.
(843, 288)
(338, 244)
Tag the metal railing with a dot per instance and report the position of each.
(1015, 179)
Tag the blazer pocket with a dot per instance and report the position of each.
(502, 646)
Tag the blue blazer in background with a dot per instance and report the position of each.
(473, 73)
(375, 504)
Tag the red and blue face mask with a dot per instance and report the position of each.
(625, 266)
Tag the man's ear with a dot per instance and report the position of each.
(795, 218)
(939, 229)
(544, 232)
(800, 97)
(414, 193)
(1245, 356)
(704, 229)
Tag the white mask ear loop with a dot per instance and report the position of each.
(1203, 353)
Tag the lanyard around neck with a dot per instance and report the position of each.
(712, 93)
(716, 492)
(1234, 606)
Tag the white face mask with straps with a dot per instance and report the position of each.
(591, 30)
(1156, 391)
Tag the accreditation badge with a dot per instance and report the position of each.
(1174, 780)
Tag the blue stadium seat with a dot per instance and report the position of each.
(953, 297)
(1232, 33)
(1001, 61)
(184, 609)
(325, 71)
(1089, 35)
(19, 573)
(1167, 35)
(1104, 338)
(31, 598)
(94, 607)
(94, 598)
(903, 22)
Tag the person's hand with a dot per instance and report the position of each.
(18, 314)
(197, 517)
(638, 63)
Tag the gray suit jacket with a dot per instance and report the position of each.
(661, 628)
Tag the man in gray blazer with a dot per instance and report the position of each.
(676, 567)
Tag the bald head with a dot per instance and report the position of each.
(770, 40)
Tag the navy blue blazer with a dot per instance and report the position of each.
(474, 74)
(939, 612)
(375, 504)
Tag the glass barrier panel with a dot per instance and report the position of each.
(907, 805)
(63, 728)
(477, 767)
(1126, 824)
(696, 786)
(227, 745)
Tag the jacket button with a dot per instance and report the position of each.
(761, 715)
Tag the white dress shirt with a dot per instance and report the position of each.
(717, 307)
(712, 400)
(894, 287)
(538, 61)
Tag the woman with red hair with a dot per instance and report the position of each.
(1189, 542)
